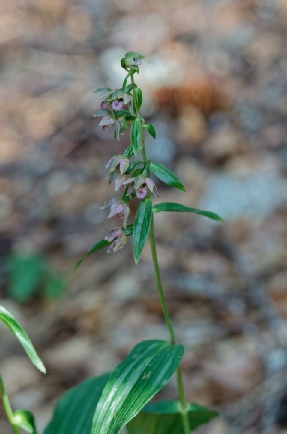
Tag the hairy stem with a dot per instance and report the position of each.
(7, 407)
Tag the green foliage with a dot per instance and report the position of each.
(74, 411)
(177, 207)
(134, 382)
(139, 97)
(25, 420)
(141, 227)
(151, 130)
(10, 322)
(98, 246)
(165, 175)
(28, 274)
(164, 417)
(135, 135)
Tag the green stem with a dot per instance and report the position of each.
(7, 407)
(184, 413)
(142, 128)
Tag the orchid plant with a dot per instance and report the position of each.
(112, 401)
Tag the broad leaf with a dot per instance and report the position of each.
(10, 322)
(98, 246)
(74, 411)
(166, 176)
(136, 135)
(134, 382)
(164, 417)
(151, 130)
(25, 420)
(141, 227)
(139, 96)
(177, 207)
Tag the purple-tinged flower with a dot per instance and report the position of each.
(141, 184)
(118, 239)
(133, 58)
(104, 105)
(119, 182)
(106, 122)
(118, 162)
(117, 104)
(118, 208)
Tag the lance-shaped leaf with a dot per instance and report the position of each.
(136, 135)
(165, 175)
(98, 246)
(165, 417)
(102, 89)
(134, 382)
(74, 411)
(25, 420)
(151, 130)
(139, 96)
(141, 227)
(177, 207)
(10, 322)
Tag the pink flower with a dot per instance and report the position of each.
(106, 122)
(118, 208)
(118, 162)
(141, 184)
(118, 239)
(117, 104)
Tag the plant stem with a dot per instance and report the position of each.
(184, 414)
(7, 407)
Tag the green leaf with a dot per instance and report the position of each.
(102, 89)
(141, 227)
(129, 230)
(129, 88)
(10, 322)
(177, 207)
(151, 130)
(139, 96)
(98, 246)
(134, 382)
(136, 135)
(25, 420)
(132, 166)
(164, 417)
(74, 411)
(128, 152)
(116, 93)
(166, 176)
(25, 274)
(102, 113)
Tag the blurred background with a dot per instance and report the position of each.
(214, 82)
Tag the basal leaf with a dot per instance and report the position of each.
(165, 175)
(177, 207)
(136, 135)
(25, 420)
(164, 417)
(151, 130)
(139, 96)
(98, 246)
(74, 411)
(141, 227)
(10, 322)
(134, 382)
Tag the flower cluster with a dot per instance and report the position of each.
(120, 108)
